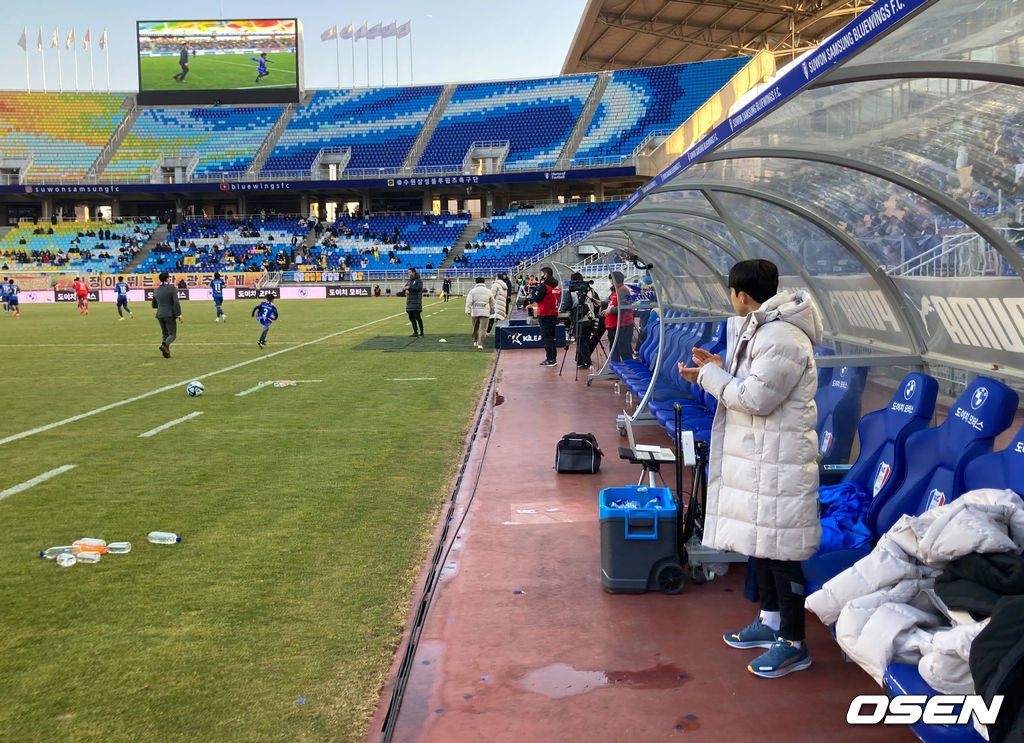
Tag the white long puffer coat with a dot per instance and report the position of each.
(500, 292)
(763, 478)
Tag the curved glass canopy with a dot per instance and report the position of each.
(890, 185)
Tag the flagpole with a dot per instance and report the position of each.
(60, 70)
(382, 61)
(106, 55)
(92, 78)
(411, 77)
(74, 50)
(337, 55)
(396, 52)
(367, 61)
(42, 59)
(24, 34)
(353, 59)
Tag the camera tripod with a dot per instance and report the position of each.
(599, 348)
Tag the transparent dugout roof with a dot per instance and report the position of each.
(891, 187)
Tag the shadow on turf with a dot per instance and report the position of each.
(427, 343)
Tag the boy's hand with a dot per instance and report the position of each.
(689, 373)
(701, 357)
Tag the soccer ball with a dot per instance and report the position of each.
(194, 389)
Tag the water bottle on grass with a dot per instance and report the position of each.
(89, 545)
(119, 548)
(87, 557)
(51, 553)
(163, 537)
(66, 559)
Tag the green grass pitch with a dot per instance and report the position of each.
(305, 514)
(217, 72)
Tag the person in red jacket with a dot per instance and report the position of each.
(82, 293)
(618, 318)
(546, 294)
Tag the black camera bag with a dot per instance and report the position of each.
(578, 453)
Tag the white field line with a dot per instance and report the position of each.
(270, 383)
(35, 480)
(165, 388)
(412, 379)
(168, 424)
(260, 386)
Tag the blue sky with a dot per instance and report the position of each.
(452, 41)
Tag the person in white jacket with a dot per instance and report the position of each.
(763, 474)
(500, 292)
(479, 306)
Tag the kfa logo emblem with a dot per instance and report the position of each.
(979, 398)
(910, 389)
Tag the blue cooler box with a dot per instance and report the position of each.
(640, 546)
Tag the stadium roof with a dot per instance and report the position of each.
(617, 34)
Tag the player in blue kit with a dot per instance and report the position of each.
(3, 295)
(12, 298)
(265, 313)
(217, 290)
(121, 289)
(261, 69)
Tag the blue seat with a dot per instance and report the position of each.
(903, 678)
(838, 412)
(880, 466)
(937, 457)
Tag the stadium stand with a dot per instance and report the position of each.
(74, 246)
(649, 100)
(516, 235)
(221, 244)
(535, 117)
(60, 133)
(389, 242)
(223, 139)
(378, 125)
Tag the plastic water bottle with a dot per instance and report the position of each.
(629, 397)
(119, 548)
(87, 557)
(50, 553)
(89, 545)
(66, 559)
(616, 388)
(163, 537)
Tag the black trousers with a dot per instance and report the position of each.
(547, 336)
(619, 347)
(416, 320)
(168, 329)
(583, 332)
(781, 585)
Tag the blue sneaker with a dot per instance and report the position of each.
(783, 657)
(757, 634)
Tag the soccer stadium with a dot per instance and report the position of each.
(671, 395)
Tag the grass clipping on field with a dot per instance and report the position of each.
(305, 513)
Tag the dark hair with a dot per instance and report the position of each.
(576, 276)
(164, 276)
(758, 278)
(480, 279)
(547, 270)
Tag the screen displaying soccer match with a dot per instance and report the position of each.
(219, 60)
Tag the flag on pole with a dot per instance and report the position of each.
(360, 32)
(404, 30)
(86, 40)
(54, 44)
(346, 33)
(39, 44)
(103, 40)
(23, 41)
(71, 38)
(389, 30)
(330, 33)
(374, 32)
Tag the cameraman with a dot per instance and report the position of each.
(546, 294)
(580, 301)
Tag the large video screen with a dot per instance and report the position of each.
(225, 61)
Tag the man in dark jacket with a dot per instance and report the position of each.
(414, 302)
(546, 295)
(168, 312)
